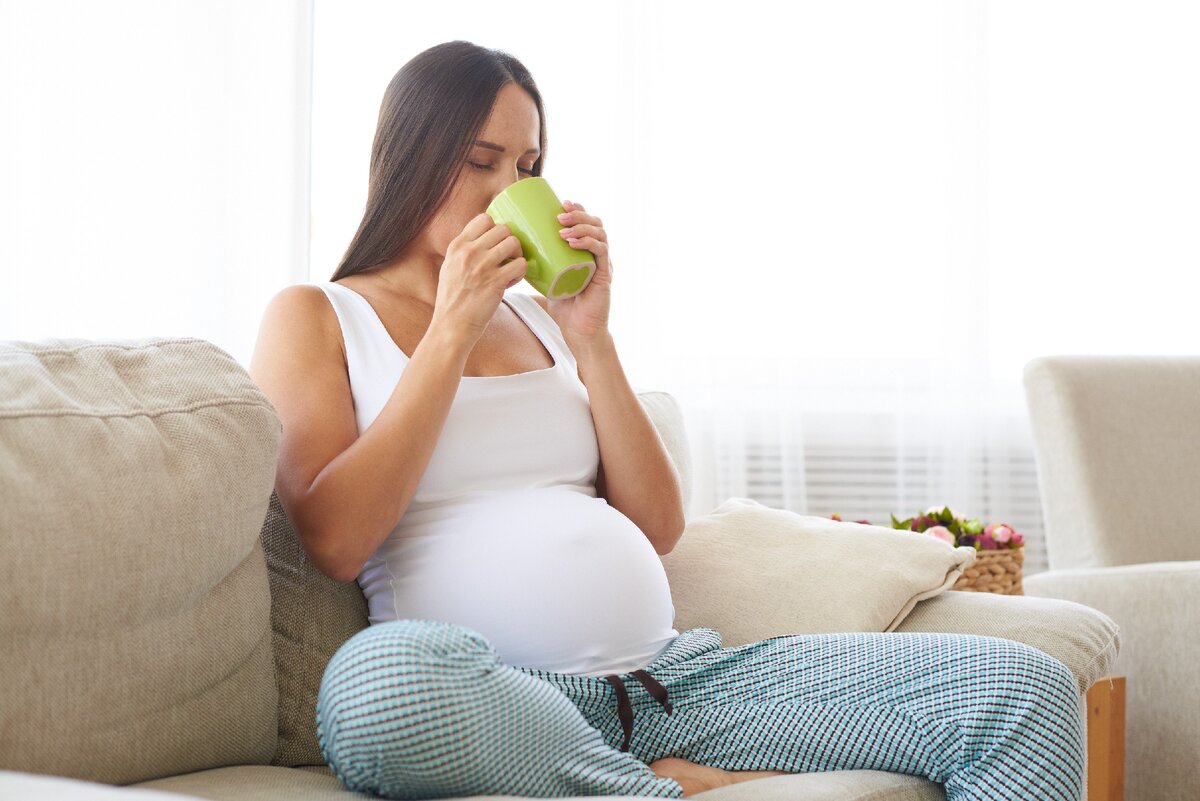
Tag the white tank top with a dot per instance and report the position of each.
(506, 534)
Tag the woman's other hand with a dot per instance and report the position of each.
(583, 319)
(475, 274)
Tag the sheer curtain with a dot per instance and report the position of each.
(153, 166)
(839, 229)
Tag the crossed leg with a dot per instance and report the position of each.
(415, 709)
(986, 717)
(695, 778)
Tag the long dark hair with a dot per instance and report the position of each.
(432, 112)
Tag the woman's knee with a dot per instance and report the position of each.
(1015, 676)
(1049, 672)
(406, 652)
(412, 644)
(380, 686)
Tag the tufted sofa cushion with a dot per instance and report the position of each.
(134, 477)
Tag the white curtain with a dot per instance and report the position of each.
(839, 229)
(153, 166)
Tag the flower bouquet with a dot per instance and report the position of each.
(947, 526)
(1000, 549)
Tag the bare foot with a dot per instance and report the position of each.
(695, 778)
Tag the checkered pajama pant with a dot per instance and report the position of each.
(418, 709)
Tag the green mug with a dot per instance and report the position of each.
(530, 209)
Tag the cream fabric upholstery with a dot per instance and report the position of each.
(32, 787)
(1083, 639)
(1117, 440)
(313, 785)
(1118, 456)
(1158, 606)
(134, 477)
(311, 616)
(801, 574)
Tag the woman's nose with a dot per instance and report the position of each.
(499, 188)
(509, 177)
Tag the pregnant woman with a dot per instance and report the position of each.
(476, 459)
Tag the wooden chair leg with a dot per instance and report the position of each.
(1106, 739)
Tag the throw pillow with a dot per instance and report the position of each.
(134, 632)
(753, 572)
(311, 616)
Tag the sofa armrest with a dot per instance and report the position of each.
(1085, 640)
(1156, 605)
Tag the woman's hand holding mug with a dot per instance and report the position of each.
(583, 318)
(480, 263)
(567, 253)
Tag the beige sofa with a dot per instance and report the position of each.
(162, 629)
(1117, 440)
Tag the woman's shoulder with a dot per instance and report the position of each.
(302, 305)
(304, 312)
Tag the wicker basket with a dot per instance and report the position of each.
(994, 571)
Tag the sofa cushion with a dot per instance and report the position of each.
(753, 572)
(294, 784)
(1115, 453)
(1082, 638)
(134, 476)
(37, 787)
(311, 616)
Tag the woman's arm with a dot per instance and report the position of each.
(344, 493)
(636, 474)
(639, 479)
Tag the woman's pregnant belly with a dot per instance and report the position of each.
(553, 578)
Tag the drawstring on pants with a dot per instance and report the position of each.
(625, 709)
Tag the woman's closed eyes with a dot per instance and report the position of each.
(528, 171)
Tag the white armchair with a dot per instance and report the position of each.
(1117, 442)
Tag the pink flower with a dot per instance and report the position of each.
(1017, 540)
(987, 542)
(1000, 532)
(942, 533)
(922, 523)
